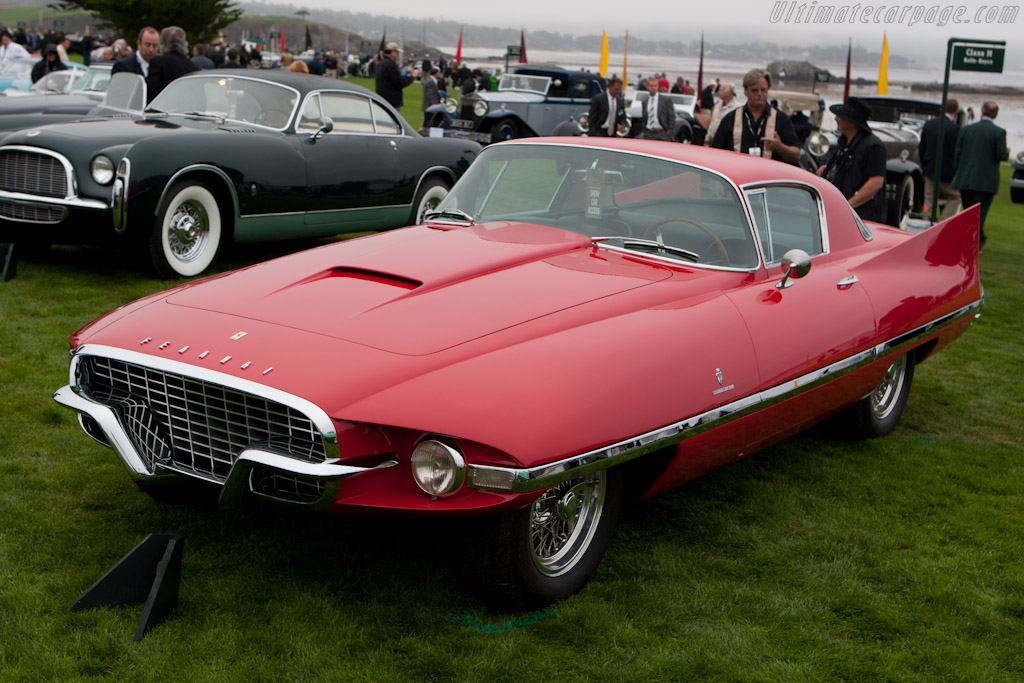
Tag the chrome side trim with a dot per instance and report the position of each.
(520, 480)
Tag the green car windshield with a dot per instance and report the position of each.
(245, 100)
(619, 199)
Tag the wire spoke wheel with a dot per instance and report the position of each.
(563, 522)
(885, 396)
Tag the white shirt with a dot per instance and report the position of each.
(143, 63)
(652, 113)
(12, 51)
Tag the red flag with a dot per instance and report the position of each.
(282, 41)
(458, 50)
(522, 46)
(700, 69)
(846, 85)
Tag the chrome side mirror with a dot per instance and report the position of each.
(796, 263)
(326, 126)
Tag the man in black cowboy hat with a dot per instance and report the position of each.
(858, 166)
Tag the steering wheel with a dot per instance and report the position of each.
(275, 118)
(652, 228)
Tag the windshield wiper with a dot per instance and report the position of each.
(449, 213)
(637, 242)
(204, 115)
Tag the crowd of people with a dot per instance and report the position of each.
(969, 168)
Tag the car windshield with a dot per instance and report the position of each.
(239, 99)
(18, 66)
(537, 84)
(621, 200)
(94, 80)
(55, 81)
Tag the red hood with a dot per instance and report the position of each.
(421, 290)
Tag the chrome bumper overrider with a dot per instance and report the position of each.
(237, 486)
(544, 476)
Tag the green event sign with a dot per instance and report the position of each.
(975, 57)
(514, 51)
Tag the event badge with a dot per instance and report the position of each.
(755, 151)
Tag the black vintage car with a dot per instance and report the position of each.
(225, 155)
(897, 121)
(532, 101)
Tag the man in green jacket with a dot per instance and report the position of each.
(979, 149)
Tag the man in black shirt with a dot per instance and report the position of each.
(756, 128)
(390, 80)
(858, 166)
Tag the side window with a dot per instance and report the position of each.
(580, 89)
(559, 88)
(310, 119)
(794, 219)
(760, 212)
(386, 124)
(350, 113)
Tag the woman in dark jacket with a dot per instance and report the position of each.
(48, 64)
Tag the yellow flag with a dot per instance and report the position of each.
(604, 54)
(625, 57)
(883, 68)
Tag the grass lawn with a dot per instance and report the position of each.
(896, 559)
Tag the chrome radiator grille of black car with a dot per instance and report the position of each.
(199, 428)
(31, 213)
(32, 173)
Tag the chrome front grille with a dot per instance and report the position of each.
(198, 427)
(32, 173)
(31, 213)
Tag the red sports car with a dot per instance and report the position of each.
(575, 306)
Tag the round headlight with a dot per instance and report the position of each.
(437, 468)
(584, 122)
(451, 105)
(1020, 157)
(817, 144)
(480, 108)
(102, 169)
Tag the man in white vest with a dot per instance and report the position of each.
(757, 128)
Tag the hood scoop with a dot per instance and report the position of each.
(422, 290)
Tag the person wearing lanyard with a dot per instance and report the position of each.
(756, 128)
(659, 114)
(858, 166)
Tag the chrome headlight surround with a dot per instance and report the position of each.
(101, 168)
(451, 105)
(480, 108)
(437, 468)
(583, 122)
(818, 144)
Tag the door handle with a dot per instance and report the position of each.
(847, 282)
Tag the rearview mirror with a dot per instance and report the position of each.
(796, 263)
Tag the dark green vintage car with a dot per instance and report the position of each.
(225, 155)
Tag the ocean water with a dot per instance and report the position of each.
(901, 80)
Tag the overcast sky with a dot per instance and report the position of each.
(910, 26)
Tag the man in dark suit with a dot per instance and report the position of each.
(610, 101)
(172, 62)
(928, 151)
(138, 63)
(659, 114)
(979, 149)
